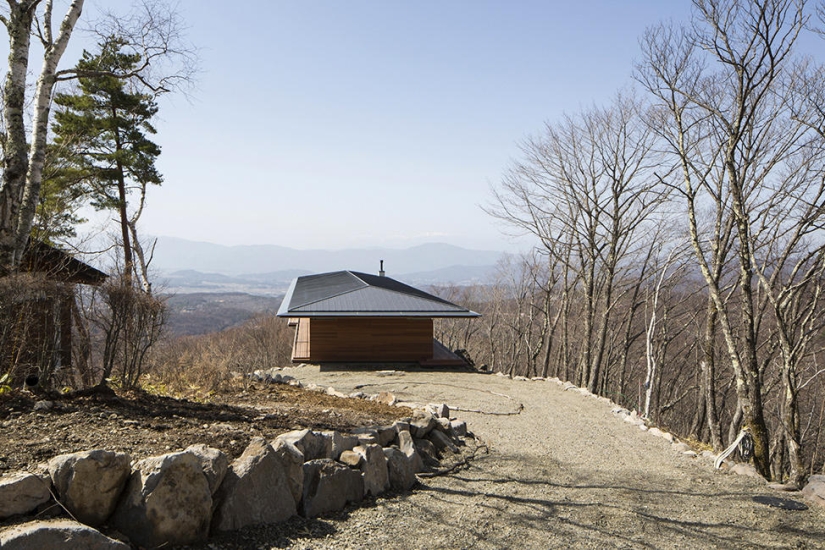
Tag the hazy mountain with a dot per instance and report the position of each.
(456, 274)
(175, 255)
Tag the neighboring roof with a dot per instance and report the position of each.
(40, 257)
(349, 294)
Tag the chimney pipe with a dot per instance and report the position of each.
(381, 269)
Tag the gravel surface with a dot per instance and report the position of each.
(563, 473)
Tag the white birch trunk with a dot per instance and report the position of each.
(40, 125)
(24, 160)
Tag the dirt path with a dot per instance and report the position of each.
(563, 473)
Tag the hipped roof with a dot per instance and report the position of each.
(58, 265)
(353, 294)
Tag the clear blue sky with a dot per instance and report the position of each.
(328, 124)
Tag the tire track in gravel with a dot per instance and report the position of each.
(564, 473)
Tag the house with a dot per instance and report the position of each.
(38, 312)
(347, 316)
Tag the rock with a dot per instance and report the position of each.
(814, 490)
(443, 424)
(386, 435)
(427, 451)
(351, 459)
(386, 398)
(256, 490)
(214, 463)
(373, 468)
(400, 471)
(328, 486)
(709, 455)
(659, 433)
(745, 469)
(20, 493)
(459, 427)
(442, 442)
(166, 502)
(422, 425)
(439, 410)
(44, 405)
(407, 446)
(784, 487)
(335, 393)
(292, 460)
(335, 443)
(633, 419)
(57, 534)
(681, 447)
(89, 483)
(311, 444)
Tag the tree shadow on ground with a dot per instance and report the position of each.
(590, 514)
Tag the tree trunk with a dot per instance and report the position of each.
(23, 162)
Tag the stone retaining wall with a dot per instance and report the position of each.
(182, 497)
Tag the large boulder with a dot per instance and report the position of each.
(89, 483)
(386, 435)
(60, 534)
(307, 442)
(336, 443)
(256, 490)
(292, 461)
(166, 502)
(427, 452)
(439, 410)
(407, 446)
(214, 463)
(422, 424)
(373, 468)
(400, 470)
(328, 486)
(20, 493)
(814, 490)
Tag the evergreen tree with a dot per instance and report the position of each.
(102, 130)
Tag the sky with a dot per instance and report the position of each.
(328, 125)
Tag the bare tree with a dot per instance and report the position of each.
(720, 86)
(585, 189)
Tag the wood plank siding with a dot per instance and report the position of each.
(368, 339)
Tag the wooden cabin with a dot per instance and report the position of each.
(37, 309)
(352, 317)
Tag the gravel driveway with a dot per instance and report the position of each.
(564, 473)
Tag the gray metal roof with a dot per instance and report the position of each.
(353, 294)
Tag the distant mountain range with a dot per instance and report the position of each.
(189, 266)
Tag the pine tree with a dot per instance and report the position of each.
(102, 132)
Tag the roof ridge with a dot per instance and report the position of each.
(304, 304)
